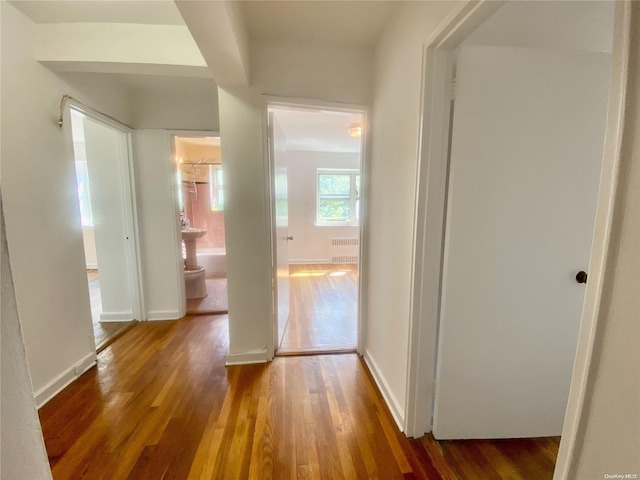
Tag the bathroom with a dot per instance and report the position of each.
(201, 202)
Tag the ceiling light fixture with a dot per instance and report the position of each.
(355, 130)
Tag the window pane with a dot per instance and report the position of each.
(357, 185)
(330, 184)
(334, 210)
(216, 188)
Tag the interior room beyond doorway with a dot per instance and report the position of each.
(316, 166)
(201, 202)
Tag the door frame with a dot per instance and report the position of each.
(430, 206)
(128, 197)
(308, 104)
(182, 294)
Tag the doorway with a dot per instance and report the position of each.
(200, 187)
(527, 139)
(105, 197)
(316, 164)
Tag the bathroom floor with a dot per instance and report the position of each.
(323, 309)
(214, 302)
(103, 332)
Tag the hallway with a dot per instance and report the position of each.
(161, 404)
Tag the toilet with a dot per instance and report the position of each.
(194, 282)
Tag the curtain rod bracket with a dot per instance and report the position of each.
(62, 100)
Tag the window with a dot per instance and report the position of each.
(338, 197)
(216, 187)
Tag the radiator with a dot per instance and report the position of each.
(344, 249)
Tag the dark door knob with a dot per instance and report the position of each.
(581, 277)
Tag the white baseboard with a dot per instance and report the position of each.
(116, 317)
(92, 266)
(397, 412)
(54, 387)
(156, 315)
(316, 261)
(255, 356)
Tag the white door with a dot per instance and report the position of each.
(527, 143)
(108, 184)
(281, 211)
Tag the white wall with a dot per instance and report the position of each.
(158, 227)
(246, 224)
(563, 25)
(190, 104)
(22, 451)
(43, 219)
(392, 178)
(609, 430)
(317, 72)
(311, 242)
(153, 101)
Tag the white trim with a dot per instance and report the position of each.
(429, 208)
(159, 315)
(133, 250)
(92, 266)
(56, 385)
(574, 422)
(387, 393)
(256, 356)
(116, 317)
(271, 102)
(270, 217)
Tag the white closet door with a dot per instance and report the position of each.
(527, 143)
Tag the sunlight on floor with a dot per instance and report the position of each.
(310, 273)
(318, 273)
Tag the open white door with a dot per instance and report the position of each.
(109, 181)
(527, 143)
(277, 144)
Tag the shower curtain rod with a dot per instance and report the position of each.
(82, 107)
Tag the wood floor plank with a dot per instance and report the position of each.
(162, 405)
(323, 309)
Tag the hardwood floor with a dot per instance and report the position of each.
(162, 405)
(526, 458)
(103, 332)
(323, 309)
(215, 302)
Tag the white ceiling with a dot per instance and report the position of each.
(153, 12)
(348, 23)
(331, 23)
(318, 131)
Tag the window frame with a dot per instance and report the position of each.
(354, 197)
(216, 185)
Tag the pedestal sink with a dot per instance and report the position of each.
(189, 236)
